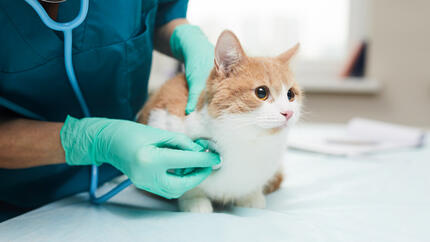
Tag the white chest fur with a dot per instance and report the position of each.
(250, 154)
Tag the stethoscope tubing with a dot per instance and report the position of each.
(67, 29)
(83, 12)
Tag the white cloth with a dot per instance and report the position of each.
(362, 136)
(381, 197)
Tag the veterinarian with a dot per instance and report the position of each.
(45, 143)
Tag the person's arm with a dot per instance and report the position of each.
(27, 143)
(143, 153)
(163, 34)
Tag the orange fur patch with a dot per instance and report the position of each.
(172, 96)
(274, 183)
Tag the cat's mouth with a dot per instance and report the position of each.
(284, 125)
(275, 125)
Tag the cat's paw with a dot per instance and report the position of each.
(254, 200)
(196, 205)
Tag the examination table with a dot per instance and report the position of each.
(378, 197)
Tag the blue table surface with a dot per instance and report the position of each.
(378, 197)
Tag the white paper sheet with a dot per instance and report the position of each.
(361, 136)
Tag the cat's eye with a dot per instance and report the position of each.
(262, 92)
(291, 95)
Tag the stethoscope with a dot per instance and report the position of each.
(67, 28)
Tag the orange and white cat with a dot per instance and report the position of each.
(245, 110)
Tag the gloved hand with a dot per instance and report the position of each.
(143, 153)
(189, 44)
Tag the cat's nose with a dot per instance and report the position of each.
(287, 114)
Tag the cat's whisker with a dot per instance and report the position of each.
(240, 121)
(234, 118)
(242, 125)
(270, 120)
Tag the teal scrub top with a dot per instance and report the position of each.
(112, 54)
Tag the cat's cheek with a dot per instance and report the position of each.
(296, 107)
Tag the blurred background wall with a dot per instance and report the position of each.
(397, 65)
(399, 58)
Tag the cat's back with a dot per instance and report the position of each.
(170, 99)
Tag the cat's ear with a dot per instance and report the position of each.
(287, 55)
(228, 52)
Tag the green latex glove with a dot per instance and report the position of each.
(143, 153)
(204, 143)
(189, 44)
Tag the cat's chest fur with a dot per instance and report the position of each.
(250, 156)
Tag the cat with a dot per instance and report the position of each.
(245, 110)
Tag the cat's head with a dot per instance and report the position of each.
(257, 91)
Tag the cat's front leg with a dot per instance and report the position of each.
(253, 200)
(195, 201)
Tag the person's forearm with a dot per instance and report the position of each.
(27, 143)
(163, 34)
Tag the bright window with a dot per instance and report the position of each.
(269, 27)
